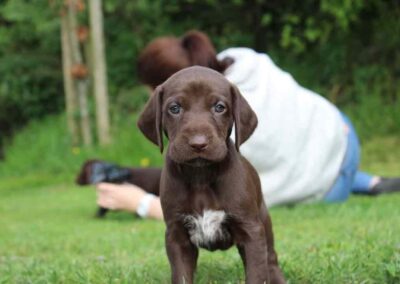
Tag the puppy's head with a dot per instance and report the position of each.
(196, 108)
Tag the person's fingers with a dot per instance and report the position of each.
(106, 202)
(111, 187)
(129, 186)
(119, 196)
(101, 200)
(106, 187)
(102, 193)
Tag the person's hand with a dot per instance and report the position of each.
(124, 197)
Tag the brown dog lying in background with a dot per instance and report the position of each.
(210, 195)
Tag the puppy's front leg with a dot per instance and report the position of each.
(255, 255)
(275, 273)
(182, 254)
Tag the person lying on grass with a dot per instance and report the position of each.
(304, 148)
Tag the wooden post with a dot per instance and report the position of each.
(79, 71)
(69, 89)
(99, 71)
(87, 51)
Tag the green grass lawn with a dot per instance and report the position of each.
(48, 233)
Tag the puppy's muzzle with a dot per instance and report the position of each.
(198, 143)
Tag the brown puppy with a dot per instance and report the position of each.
(210, 195)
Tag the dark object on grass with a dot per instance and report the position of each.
(95, 171)
(210, 195)
(386, 185)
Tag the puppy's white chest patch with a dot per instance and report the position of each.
(206, 229)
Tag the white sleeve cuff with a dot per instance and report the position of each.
(144, 205)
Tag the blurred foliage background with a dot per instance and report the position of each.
(347, 50)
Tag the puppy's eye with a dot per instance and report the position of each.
(175, 108)
(219, 107)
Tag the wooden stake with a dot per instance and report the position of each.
(69, 88)
(99, 72)
(81, 83)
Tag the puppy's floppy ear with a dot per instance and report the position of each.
(150, 121)
(244, 117)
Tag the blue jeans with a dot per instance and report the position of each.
(349, 178)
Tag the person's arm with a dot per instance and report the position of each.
(146, 178)
(128, 197)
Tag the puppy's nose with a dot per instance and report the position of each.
(198, 143)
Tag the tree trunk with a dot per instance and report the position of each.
(69, 89)
(81, 83)
(99, 71)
